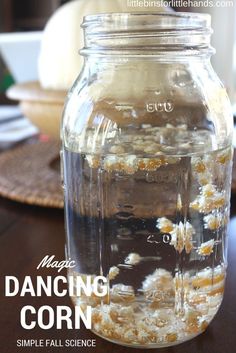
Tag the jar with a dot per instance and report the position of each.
(147, 156)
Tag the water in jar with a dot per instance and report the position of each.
(149, 211)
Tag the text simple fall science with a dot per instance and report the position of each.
(59, 286)
(56, 343)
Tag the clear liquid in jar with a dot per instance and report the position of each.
(155, 226)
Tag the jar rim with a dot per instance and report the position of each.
(149, 34)
(154, 20)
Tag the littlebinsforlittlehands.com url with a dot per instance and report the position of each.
(180, 3)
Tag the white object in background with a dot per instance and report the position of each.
(16, 131)
(59, 60)
(12, 131)
(20, 52)
(9, 112)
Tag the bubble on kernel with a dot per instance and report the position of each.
(133, 259)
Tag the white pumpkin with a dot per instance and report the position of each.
(59, 61)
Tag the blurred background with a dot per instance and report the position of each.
(22, 16)
(32, 16)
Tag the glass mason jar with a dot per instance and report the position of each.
(147, 151)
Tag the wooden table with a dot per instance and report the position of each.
(27, 234)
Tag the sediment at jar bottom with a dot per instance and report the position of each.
(151, 316)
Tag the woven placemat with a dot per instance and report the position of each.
(30, 174)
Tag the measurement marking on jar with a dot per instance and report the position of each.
(165, 238)
(167, 107)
